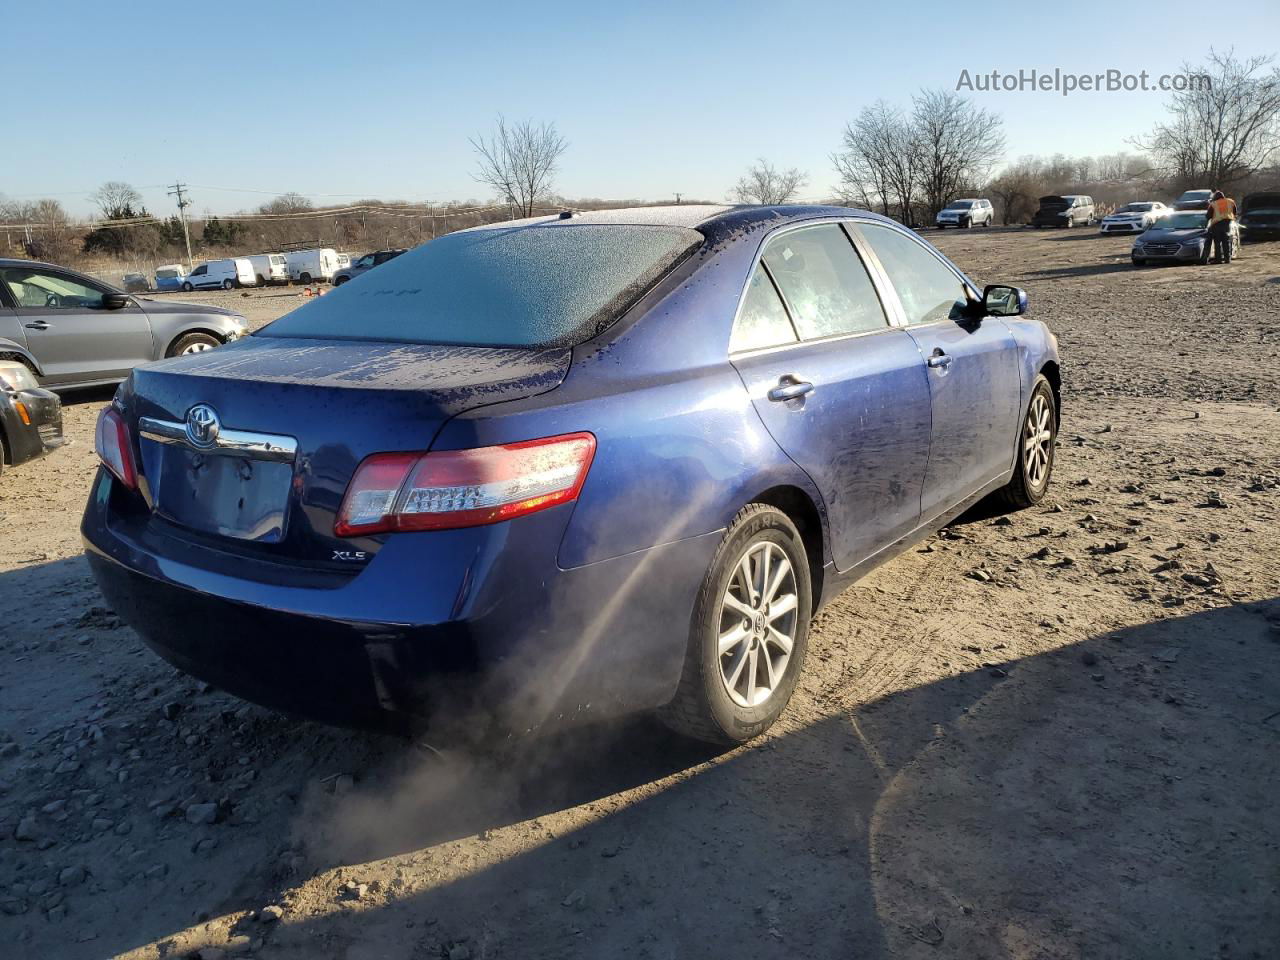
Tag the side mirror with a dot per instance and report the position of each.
(999, 300)
(115, 301)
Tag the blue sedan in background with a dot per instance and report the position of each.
(540, 471)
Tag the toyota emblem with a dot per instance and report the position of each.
(202, 425)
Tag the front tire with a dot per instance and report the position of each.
(193, 343)
(749, 633)
(1037, 440)
(187, 287)
(1138, 261)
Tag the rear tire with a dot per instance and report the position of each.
(755, 599)
(1037, 440)
(305, 278)
(228, 284)
(261, 281)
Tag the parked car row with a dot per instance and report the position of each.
(319, 265)
(1259, 213)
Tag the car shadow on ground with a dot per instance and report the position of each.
(1088, 270)
(1105, 799)
(99, 396)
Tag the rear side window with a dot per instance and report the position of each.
(927, 288)
(527, 286)
(762, 321)
(827, 289)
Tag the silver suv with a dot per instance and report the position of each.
(965, 213)
(75, 331)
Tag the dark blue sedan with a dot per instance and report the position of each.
(546, 470)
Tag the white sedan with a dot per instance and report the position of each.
(1134, 217)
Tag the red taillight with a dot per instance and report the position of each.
(114, 450)
(463, 488)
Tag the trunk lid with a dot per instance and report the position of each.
(332, 402)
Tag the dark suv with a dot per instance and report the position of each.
(1064, 211)
(364, 264)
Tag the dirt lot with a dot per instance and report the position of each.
(1052, 735)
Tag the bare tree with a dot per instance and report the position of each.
(959, 143)
(287, 203)
(1223, 130)
(764, 184)
(880, 164)
(519, 161)
(117, 200)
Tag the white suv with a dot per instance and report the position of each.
(965, 213)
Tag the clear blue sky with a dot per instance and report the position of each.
(378, 99)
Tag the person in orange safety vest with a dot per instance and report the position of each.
(1220, 216)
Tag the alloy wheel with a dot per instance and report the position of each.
(758, 618)
(198, 347)
(1037, 441)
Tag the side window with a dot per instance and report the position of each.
(825, 285)
(37, 288)
(763, 320)
(928, 289)
(200, 271)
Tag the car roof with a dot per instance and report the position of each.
(20, 262)
(705, 217)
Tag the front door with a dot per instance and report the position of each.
(71, 334)
(974, 383)
(842, 393)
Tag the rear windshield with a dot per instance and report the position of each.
(527, 286)
(167, 274)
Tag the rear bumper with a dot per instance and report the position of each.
(27, 441)
(465, 629)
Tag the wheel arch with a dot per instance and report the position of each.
(11, 351)
(799, 507)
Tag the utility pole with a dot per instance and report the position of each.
(677, 199)
(183, 203)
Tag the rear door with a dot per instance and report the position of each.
(68, 330)
(974, 383)
(839, 389)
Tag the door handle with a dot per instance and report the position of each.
(789, 388)
(37, 325)
(940, 360)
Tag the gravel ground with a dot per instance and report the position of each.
(1049, 735)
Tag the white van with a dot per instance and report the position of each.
(269, 268)
(312, 266)
(221, 273)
